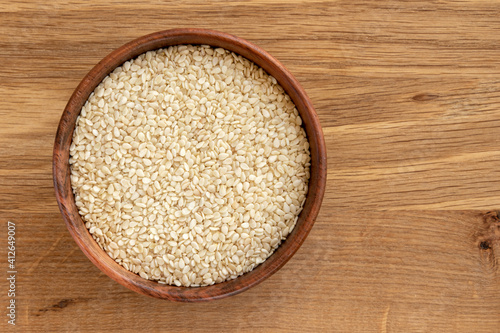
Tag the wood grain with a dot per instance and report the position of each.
(408, 94)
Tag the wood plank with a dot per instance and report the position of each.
(408, 94)
(357, 271)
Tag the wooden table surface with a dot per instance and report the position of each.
(408, 94)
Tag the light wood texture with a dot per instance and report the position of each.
(408, 94)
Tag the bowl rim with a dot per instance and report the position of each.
(61, 167)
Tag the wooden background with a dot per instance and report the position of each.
(408, 93)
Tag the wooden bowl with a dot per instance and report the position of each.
(66, 200)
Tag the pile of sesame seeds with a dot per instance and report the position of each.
(189, 165)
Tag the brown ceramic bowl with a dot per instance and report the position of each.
(61, 168)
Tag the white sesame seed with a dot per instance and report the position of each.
(184, 188)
